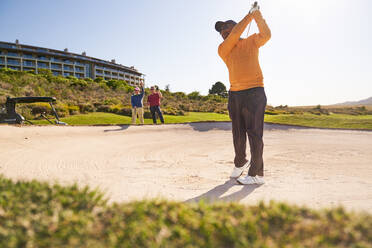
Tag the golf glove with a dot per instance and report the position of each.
(254, 8)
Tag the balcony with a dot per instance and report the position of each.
(43, 65)
(2, 61)
(11, 54)
(77, 69)
(55, 66)
(68, 68)
(28, 56)
(29, 63)
(43, 58)
(56, 60)
(79, 64)
(79, 75)
(56, 73)
(68, 62)
(7, 46)
(28, 49)
(13, 62)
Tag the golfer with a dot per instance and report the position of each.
(247, 99)
(137, 106)
(154, 101)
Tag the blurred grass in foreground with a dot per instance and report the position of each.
(363, 122)
(35, 214)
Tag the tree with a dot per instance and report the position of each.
(195, 95)
(218, 89)
(167, 88)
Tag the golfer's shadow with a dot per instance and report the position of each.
(215, 194)
(122, 127)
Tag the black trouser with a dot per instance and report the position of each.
(156, 109)
(247, 110)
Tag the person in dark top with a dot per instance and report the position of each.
(137, 106)
(154, 101)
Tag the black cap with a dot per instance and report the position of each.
(219, 25)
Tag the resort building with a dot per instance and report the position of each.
(25, 58)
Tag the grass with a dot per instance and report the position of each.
(362, 122)
(36, 214)
(99, 118)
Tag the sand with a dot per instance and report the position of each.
(189, 162)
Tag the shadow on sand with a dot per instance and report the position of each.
(226, 126)
(207, 126)
(215, 194)
(121, 128)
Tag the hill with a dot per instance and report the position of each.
(79, 96)
(367, 102)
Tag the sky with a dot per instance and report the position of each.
(319, 53)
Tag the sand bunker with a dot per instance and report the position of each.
(319, 168)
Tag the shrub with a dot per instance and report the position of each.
(73, 109)
(194, 95)
(126, 111)
(39, 108)
(35, 214)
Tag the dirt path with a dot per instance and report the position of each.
(319, 168)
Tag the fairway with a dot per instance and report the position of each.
(363, 122)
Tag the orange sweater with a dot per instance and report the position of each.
(241, 55)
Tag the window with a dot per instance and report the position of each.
(43, 65)
(57, 73)
(13, 54)
(28, 49)
(29, 63)
(7, 46)
(56, 66)
(43, 58)
(66, 74)
(13, 61)
(29, 56)
(68, 68)
(2, 61)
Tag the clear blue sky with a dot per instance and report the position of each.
(320, 51)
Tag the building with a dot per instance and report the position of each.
(25, 58)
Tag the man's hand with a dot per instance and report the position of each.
(142, 84)
(254, 8)
(257, 14)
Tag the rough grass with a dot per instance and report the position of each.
(99, 118)
(362, 122)
(34, 214)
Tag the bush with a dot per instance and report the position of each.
(73, 109)
(126, 111)
(35, 214)
(39, 108)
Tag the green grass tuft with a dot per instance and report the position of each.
(34, 214)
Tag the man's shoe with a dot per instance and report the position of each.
(248, 180)
(260, 180)
(238, 171)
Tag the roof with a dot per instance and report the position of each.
(31, 99)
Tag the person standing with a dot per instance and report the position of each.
(247, 99)
(154, 101)
(137, 106)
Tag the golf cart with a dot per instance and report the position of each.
(10, 116)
